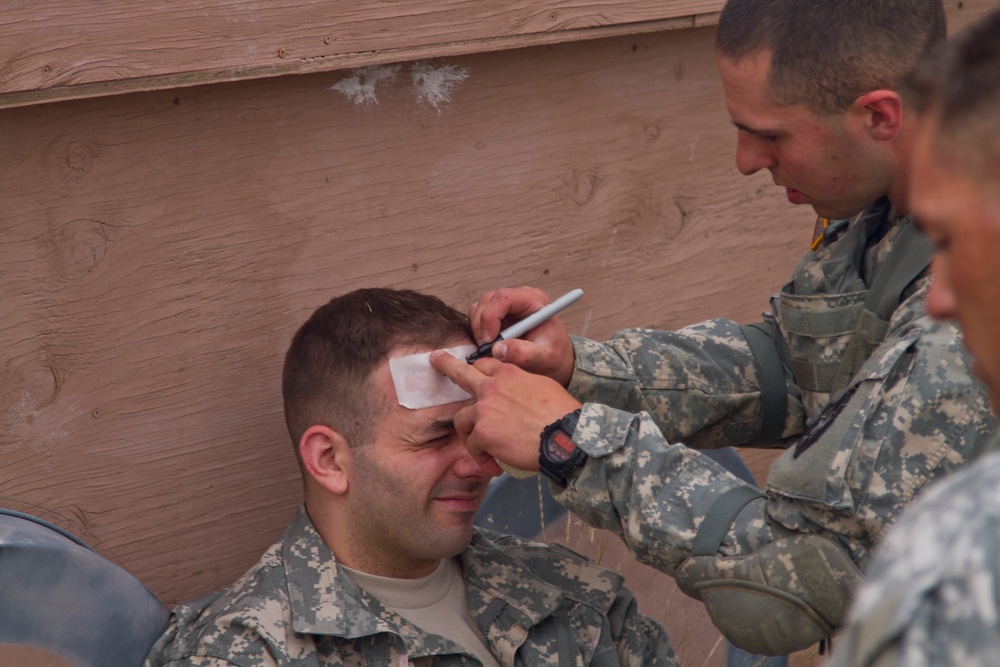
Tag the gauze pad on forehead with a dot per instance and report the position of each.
(420, 385)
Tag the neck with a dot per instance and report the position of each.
(388, 566)
(899, 190)
(899, 184)
(360, 555)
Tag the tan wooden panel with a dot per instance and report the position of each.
(159, 249)
(60, 49)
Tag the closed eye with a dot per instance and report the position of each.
(763, 135)
(439, 432)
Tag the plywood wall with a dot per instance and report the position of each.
(158, 250)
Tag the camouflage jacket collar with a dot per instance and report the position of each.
(500, 588)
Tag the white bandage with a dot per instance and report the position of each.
(420, 385)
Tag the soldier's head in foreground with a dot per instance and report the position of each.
(955, 186)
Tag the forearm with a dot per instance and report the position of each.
(699, 384)
(653, 494)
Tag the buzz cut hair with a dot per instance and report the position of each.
(956, 89)
(827, 53)
(329, 364)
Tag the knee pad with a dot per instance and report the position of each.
(782, 598)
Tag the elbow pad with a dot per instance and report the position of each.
(782, 598)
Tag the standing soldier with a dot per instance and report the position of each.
(870, 396)
(932, 597)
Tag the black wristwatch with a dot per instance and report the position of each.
(558, 455)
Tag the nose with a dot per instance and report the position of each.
(940, 302)
(753, 153)
(466, 466)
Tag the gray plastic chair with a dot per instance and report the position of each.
(58, 594)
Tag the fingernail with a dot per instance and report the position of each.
(500, 351)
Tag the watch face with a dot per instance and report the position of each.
(559, 447)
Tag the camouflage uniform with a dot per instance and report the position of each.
(910, 413)
(932, 595)
(535, 604)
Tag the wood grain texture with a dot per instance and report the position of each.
(54, 49)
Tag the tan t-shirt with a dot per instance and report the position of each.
(435, 604)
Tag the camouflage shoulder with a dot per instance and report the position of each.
(578, 577)
(927, 591)
(234, 624)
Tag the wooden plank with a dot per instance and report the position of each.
(55, 49)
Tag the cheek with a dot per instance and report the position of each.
(815, 172)
(988, 289)
(975, 282)
(431, 465)
(967, 266)
(840, 162)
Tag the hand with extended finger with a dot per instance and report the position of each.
(511, 409)
(545, 350)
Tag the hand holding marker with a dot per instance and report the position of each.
(527, 324)
(516, 331)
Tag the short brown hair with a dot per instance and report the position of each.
(958, 84)
(827, 53)
(326, 378)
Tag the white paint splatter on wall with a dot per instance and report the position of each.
(433, 85)
(360, 86)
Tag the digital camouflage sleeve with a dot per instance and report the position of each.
(911, 413)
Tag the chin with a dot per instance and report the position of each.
(455, 543)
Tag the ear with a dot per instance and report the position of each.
(882, 114)
(326, 456)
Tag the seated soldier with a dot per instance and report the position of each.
(382, 564)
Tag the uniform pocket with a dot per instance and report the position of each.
(818, 330)
(837, 452)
